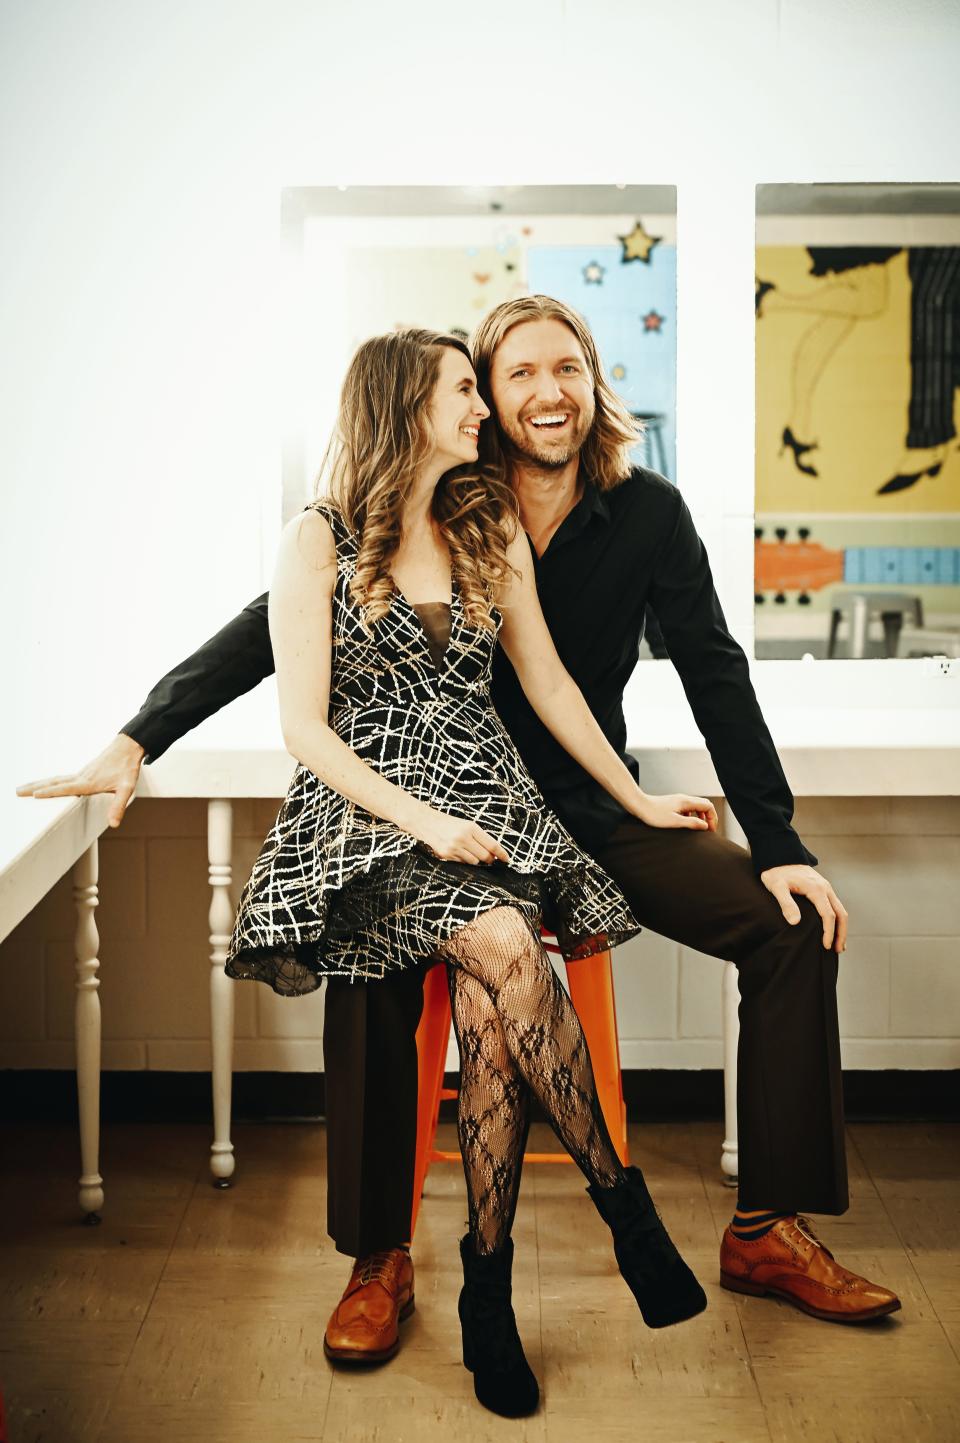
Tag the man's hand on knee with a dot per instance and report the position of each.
(796, 878)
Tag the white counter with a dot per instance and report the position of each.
(862, 751)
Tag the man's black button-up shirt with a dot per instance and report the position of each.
(613, 554)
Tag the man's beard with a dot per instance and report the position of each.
(521, 446)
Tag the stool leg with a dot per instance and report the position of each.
(892, 621)
(859, 627)
(590, 980)
(433, 1035)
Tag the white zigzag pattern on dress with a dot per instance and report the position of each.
(337, 890)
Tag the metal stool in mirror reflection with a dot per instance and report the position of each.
(928, 641)
(856, 608)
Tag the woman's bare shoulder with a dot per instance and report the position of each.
(308, 543)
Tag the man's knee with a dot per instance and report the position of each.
(792, 969)
(806, 940)
(810, 926)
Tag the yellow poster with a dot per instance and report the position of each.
(858, 406)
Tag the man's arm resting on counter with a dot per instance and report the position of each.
(231, 663)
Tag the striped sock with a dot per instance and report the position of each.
(752, 1225)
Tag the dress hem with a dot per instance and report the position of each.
(572, 950)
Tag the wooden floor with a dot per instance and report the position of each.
(197, 1316)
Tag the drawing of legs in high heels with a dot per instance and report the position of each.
(859, 291)
(934, 364)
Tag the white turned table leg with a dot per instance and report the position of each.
(87, 1032)
(219, 856)
(730, 1002)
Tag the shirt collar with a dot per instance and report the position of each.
(592, 503)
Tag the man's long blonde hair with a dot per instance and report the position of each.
(382, 438)
(605, 455)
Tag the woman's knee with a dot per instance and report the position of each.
(500, 943)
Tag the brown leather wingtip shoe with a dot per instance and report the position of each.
(365, 1325)
(790, 1262)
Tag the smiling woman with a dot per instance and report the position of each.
(456, 407)
(409, 402)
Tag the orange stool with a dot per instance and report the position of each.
(590, 980)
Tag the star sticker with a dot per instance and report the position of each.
(618, 372)
(594, 273)
(638, 244)
(653, 321)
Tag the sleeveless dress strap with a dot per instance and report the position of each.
(335, 518)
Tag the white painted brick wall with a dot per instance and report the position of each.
(894, 862)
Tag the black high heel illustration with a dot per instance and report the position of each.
(902, 480)
(799, 449)
(762, 288)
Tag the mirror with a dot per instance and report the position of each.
(363, 260)
(857, 550)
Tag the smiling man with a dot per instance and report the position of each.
(607, 539)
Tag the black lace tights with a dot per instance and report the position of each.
(518, 1034)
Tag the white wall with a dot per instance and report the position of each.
(145, 151)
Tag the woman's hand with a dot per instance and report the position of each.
(677, 810)
(116, 770)
(454, 840)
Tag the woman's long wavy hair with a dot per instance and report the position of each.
(605, 455)
(381, 440)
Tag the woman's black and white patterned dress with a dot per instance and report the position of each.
(337, 890)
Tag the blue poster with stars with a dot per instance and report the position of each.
(628, 295)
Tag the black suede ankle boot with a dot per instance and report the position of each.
(492, 1350)
(656, 1274)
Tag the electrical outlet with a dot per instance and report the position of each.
(941, 666)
